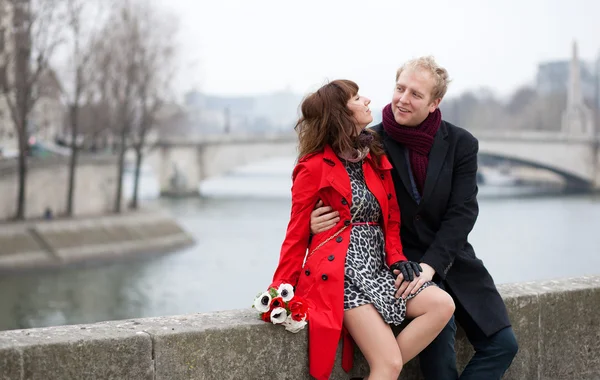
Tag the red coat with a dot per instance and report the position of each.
(321, 279)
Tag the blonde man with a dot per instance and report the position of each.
(435, 168)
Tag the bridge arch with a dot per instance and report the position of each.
(575, 160)
(572, 181)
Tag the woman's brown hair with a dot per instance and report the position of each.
(326, 119)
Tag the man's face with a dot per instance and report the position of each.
(412, 101)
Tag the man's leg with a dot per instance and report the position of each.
(438, 360)
(493, 354)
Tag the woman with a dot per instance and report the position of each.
(348, 273)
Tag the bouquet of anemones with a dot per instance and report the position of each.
(282, 307)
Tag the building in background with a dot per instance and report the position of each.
(578, 118)
(553, 77)
(273, 112)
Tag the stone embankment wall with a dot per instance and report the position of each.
(557, 324)
(47, 181)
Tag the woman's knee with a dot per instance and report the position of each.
(442, 304)
(390, 364)
(432, 301)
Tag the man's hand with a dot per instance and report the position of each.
(407, 273)
(323, 218)
(405, 288)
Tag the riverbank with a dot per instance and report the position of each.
(47, 244)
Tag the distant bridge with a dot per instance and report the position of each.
(182, 163)
(576, 158)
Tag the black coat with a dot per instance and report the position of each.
(435, 231)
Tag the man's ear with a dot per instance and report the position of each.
(434, 104)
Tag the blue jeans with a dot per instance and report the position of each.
(493, 355)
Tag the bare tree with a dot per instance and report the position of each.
(83, 17)
(117, 72)
(522, 98)
(133, 75)
(155, 55)
(149, 105)
(35, 36)
(100, 106)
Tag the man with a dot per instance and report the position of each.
(435, 169)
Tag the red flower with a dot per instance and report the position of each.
(277, 302)
(266, 317)
(298, 308)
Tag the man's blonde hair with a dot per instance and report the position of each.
(439, 74)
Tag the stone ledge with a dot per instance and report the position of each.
(12, 242)
(557, 324)
(77, 352)
(26, 259)
(71, 241)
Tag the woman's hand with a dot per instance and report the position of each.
(408, 269)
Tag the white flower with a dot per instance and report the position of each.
(262, 303)
(294, 326)
(286, 291)
(278, 315)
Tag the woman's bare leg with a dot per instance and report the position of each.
(376, 342)
(431, 310)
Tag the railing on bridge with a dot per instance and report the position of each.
(532, 135)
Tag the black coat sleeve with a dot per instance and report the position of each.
(461, 213)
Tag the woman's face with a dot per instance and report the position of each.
(359, 105)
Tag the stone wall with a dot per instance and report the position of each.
(47, 180)
(557, 324)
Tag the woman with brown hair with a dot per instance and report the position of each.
(349, 274)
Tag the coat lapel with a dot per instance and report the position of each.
(437, 157)
(397, 155)
(335, 174)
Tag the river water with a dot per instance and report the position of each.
(239, 226)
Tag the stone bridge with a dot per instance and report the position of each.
(182, 163)
(576, 158)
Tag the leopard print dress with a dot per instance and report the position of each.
(367, 277)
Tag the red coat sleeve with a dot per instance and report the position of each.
(293, 249)
(393, 244)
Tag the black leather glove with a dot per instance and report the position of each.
(409, 269)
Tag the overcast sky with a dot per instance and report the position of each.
(247, 47)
